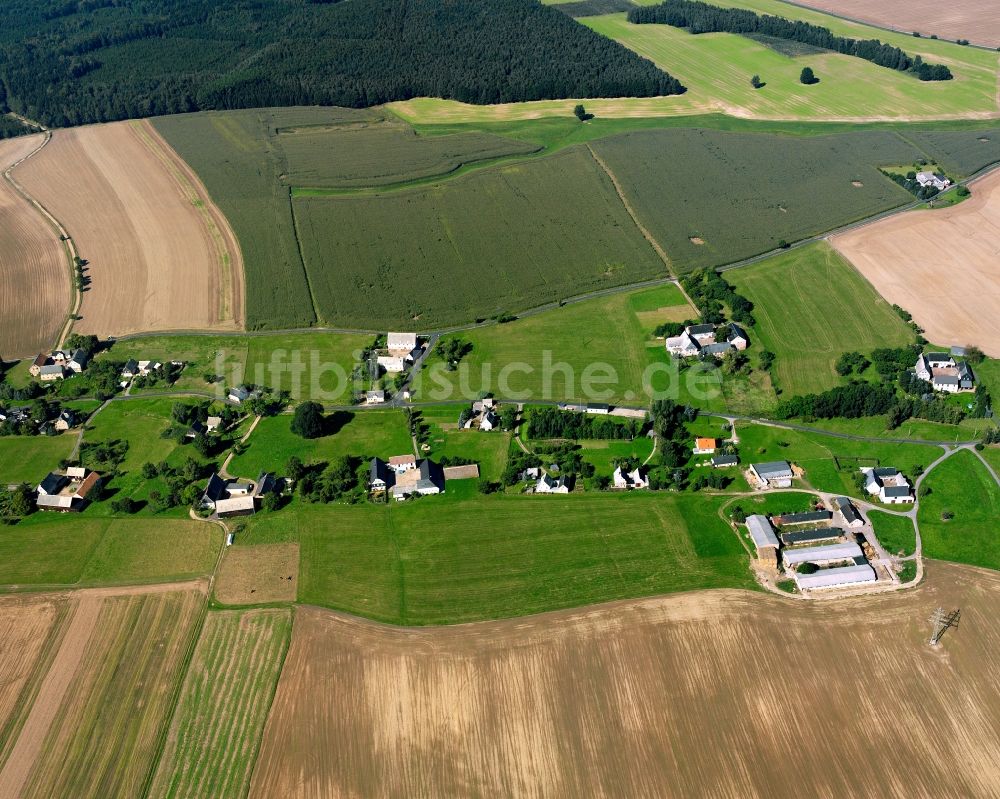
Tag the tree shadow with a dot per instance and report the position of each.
(336, 422)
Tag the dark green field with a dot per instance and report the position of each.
(501, 239)
(741, 194)
(960, 152)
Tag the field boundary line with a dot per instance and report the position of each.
(302, 257)
(68, 245)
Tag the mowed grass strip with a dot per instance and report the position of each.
(224, 703)
(958, 514)
(457, 558)
(812, 306)
(107, 732)
(502, 239)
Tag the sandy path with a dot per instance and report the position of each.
(724, 694)
(161, 256)
(940, 265)
(50, 697)
(33, 269)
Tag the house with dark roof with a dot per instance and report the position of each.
(426, 479)
(944, 373)
(629, 480)
(380, 476)
(552, 485)
(851, 516)
(67, 493)
(888, 484)
(236, 497)
(36, 365)
(722, 461)
(65, 421)
(77, 362)
(806, 517)
(700, 340)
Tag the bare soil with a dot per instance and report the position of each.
(160, 254)
(254, 575)
(939, 265)
(34, 271)
(975, 20)
(722, 694)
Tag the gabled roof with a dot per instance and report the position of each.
(239, 392)
(52, 369)
(847, 508)
(89, 483)
(52, 483)
(761, 531)
(706, 443)
(717, 347)
(80, 356)
(700, 330)
(40, 360)
(802, 518)
(885, 471)
(216, 489)
(937, 356)
(725, 460)
(131, 366)
(378, 470)
(826, 553)
(735, 330)
(773, 469)
(896, 491)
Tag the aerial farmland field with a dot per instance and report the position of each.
(906, 256)
(586, 702)
(159, 255)
(36, 295)
(212, 744)
(811, 306)
(95, 726)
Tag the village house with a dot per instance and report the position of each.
(774, 474)
(375, 397)
(236, 497)
(939, 182)
(65, 421)
(764, 539)
(705, 446)
(944, 373)
(134, 368)
(68, 492)
(552, 485)
(77, 362)
(629, 480)
(888, 484)
(489, 421)
(392, 364)
(483, 416)
(851, 516)
(36, 365)
(697, 340)
(722, 461)
(404, 343)
(405, 476)
(51, 372)
(402, 463)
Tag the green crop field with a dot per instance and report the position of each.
(598, 350)
(895, 533)
(962, 487)
(712, 197)
(358, 156)
(961, 152)
(223, 705)
(811, 306)
(716, 68)
(362, 433)
(497, 240)
(461, 558)
(27, 459)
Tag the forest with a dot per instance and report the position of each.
(66, 62)
(700, 17)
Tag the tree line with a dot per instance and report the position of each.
(700, 17)
(66, 63)
(554, 423)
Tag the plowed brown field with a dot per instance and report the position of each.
(721, 694)
(976, 20)
(34, 275)
(161, 256)
(940, 265)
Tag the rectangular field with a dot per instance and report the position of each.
(160, 256)
(223, 705)
(811, 306)
(678, 696)
(765, 188)
(36, 294)
(27, 459)
(459, 558)
(939, 265)
(504, 239)
(96, 724)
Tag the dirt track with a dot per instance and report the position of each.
(940, 265)
(722, 694)
(34, 274)
(161, 256)
(976, 20)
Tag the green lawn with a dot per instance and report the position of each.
(920, 429)
(460, 558)
(140, 422)
(895, 533)
(598, 350)
(962, 487)
(603, 453)
(716, 68)
(488, 449)
(67, 549)
(776, 502)
(361, 433)
(27, 459)
(812, 306)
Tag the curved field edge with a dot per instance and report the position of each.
(554, 704)
(223, 705)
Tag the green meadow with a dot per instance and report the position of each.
(27, 459)
(895, 533)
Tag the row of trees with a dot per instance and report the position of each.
(710, 291)
(73, 63)
(700, 17)
(554, 423)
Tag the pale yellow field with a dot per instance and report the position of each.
(939, 265)
(716, 694)
(34, 271)
(161, 256)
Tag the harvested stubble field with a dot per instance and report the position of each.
(36, 288)
(224, 703)
(976, 20)
(160, 255)
(95, 726)
(741, 194)
(723, 694)
(939, 265)
(502, 239)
